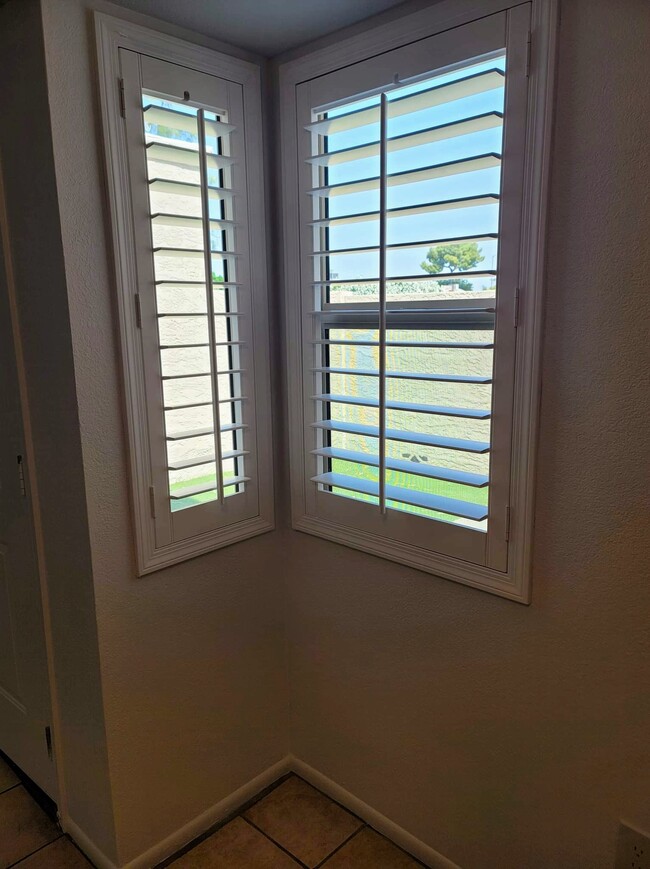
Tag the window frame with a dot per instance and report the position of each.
(112, 35)
(514, 582)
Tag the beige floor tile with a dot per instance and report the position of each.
(369, 850)
(8, 777)
(303, 820)
(235, 846)
(61, 854)
(24, 826)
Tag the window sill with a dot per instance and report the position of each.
(512, 585)
(158, 559)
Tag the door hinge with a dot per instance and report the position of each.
(152, 501)
(138, 311)
(48, 742)
(516, 307)
(507, 522)
(21, 476)
(122, 100)
(528, 53)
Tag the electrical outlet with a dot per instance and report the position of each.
(633, 849)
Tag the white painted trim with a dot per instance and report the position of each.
(180, 551)
(188, 832)
(474, 575)
(372, 817)
(436, 18)
(231, 804)
(515, 582)
(112, 34)
(544, 26)
(60, 796)
(85, 844)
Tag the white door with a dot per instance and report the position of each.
(25, 734)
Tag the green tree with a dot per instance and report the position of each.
(452, 258)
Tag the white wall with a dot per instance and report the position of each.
(35, 232)
(506, 736)
(503, 736)
(192, 657)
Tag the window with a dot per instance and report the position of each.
(413, 327)
(184, 158)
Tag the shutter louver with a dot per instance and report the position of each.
(183, 146)
(402, 371)
(189, 166)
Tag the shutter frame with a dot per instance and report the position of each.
(117, 38)
(514, 581)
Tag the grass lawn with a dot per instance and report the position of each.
(364, 472)
(193, 500)
(408, 481)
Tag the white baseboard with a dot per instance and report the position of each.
(230, 804)
(372, 817)
(97, 857)
(183, 836)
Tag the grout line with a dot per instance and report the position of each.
(38, 795)
(239, 813)
(31, 853)
(327, 796)
(362, 822)
(342, 845)
(271, 839)
(222, 823)
(78, 849)
(399, 847)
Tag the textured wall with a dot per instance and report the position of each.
(501, 735)
(32, 207)
(192, 657)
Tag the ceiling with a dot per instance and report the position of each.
(267, 27)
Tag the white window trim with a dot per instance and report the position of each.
(515, 582)
(112, 34)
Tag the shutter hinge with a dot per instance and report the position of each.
(138, 311)
(528, 53)
(516, 307)
(152, 501)
(21, 476)
(48, 742)
(122, 100)
(507, 522)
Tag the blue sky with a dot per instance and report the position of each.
(466, 221)
(448, 224)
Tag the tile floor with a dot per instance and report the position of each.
(293, 825)
(29, 838)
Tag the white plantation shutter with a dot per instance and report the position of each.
(195, 269)
(193, 352)
(408, 371)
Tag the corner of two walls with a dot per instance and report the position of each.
(35, 238)
(498, 734)
(193, 690)
(504, 735)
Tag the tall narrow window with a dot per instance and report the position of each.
(196, 359)
(195, 268)
(411, 190)
(405, 313)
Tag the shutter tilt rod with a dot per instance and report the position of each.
(383, 165)
(207, 259)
